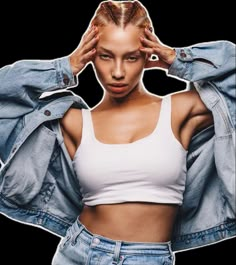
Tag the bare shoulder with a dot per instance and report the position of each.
(189, 103)
(190, 111)
(71, 119)
(71, 126)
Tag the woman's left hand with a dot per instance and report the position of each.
(153, 46)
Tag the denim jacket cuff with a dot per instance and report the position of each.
(180, 65)
(65, 77)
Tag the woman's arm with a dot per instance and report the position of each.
(210, 64)
(71, 123)
(200, 62)
(22, 83)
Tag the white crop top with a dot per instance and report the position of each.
(151, 169)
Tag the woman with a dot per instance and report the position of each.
(110, 166)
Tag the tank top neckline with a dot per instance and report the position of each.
(158, 122)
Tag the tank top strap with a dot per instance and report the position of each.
(164, 123)
(87, 127)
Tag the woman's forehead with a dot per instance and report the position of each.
(114, 37)
(114, 29)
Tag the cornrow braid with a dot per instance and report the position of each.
(109, 8)
(132, 12)
(122, 13)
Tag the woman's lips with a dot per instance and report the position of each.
(117, 87)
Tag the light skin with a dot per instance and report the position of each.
(119, 57)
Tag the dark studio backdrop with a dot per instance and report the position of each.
(40, 31)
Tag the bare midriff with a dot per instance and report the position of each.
(135, 221)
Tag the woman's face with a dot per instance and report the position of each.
(118, 61)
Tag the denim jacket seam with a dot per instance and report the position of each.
(13, 95)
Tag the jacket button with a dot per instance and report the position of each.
(47, 112)
(183, 54)
(66, 79)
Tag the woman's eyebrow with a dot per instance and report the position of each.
(136, 51)
(105, 50)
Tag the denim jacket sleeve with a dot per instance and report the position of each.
(21, 85)
(23, 82)
(209, 64)
(208, 211)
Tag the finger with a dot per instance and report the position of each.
(92, 32)
(87, 32)
(88, 56)
(91, 44)
(148, 43)
(149, 51)
(151, 36)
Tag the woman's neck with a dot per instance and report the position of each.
(136, 96)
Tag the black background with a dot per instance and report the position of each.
(39, 31)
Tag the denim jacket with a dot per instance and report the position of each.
(38, 185)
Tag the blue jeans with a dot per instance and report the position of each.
(81, 247)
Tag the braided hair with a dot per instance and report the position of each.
(122, 13)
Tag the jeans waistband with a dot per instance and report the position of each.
(125, 247)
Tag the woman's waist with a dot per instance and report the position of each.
(136, 221)
(79, 233)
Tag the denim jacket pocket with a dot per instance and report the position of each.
(26, 171)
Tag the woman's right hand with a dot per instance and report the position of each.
(85, 51)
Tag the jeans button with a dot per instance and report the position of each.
(96, 241)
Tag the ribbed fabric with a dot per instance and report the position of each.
(151, 169)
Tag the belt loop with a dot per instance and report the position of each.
(172, 254)
(76, 234)
(116, 256)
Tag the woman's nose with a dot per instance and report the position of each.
(118, 71)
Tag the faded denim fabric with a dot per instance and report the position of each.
(80, 247)
(38, 185)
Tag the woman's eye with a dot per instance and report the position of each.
(132, 58)
(105, 56)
